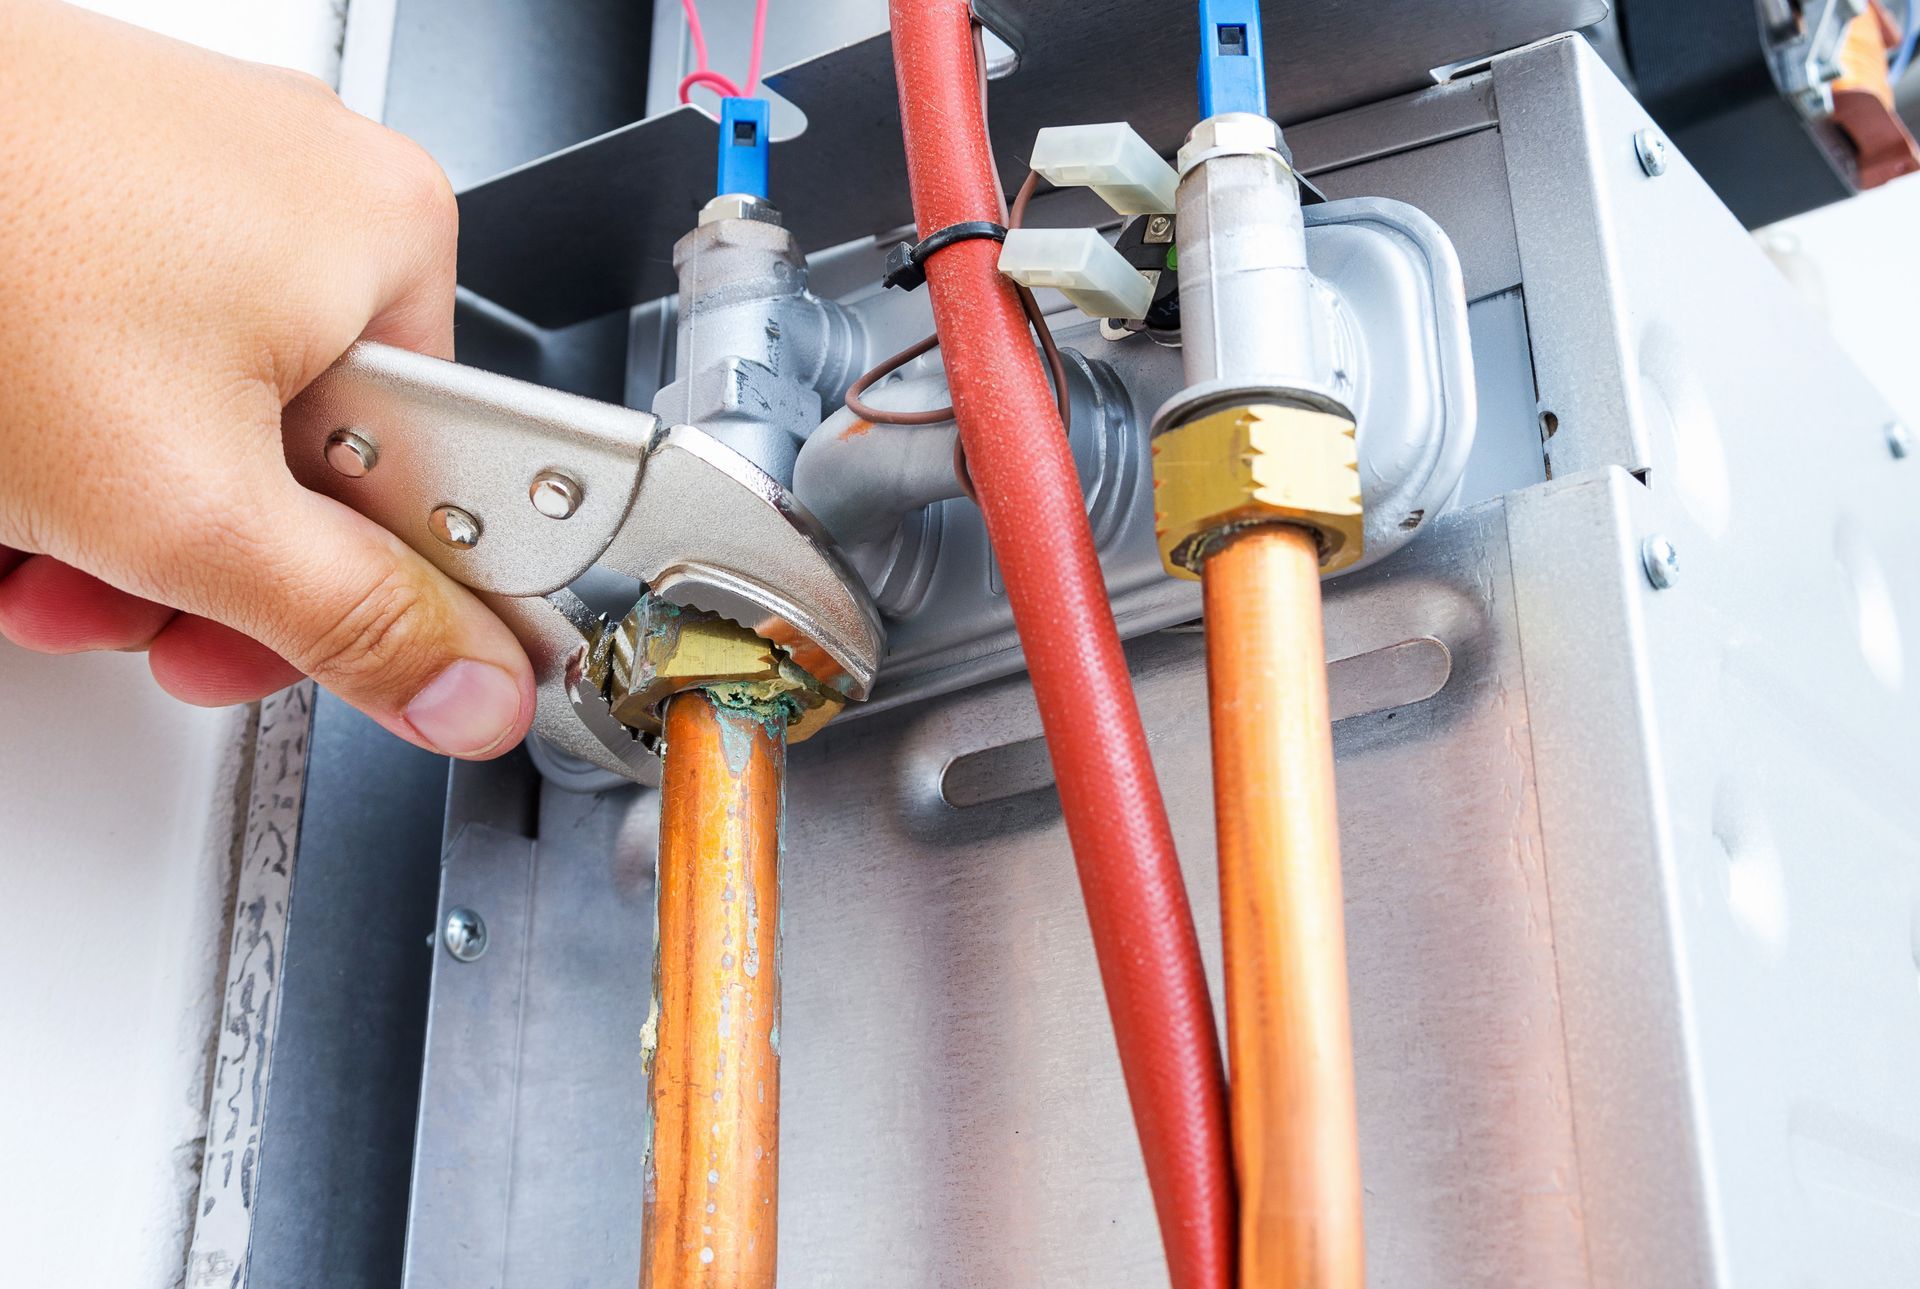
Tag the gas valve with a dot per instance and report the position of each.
(757, 356)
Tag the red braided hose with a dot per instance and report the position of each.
(1030, 494)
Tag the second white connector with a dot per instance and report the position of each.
(1113, 160)
(1078, 263)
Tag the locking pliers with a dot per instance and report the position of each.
(517, 490)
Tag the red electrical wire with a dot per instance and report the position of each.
(696, 33)
(712, 80)
(704, 75)
(1030, 496)
(759, 43)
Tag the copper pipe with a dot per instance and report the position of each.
(1289, 1044)
(714, 1075)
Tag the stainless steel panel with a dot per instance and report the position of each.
(464, 1147)
(1381, 129)
(1726, 768)
(1578, 582)
(947, 1074)
(1396, 675)
(577, 234)
(1633, 899)
(488, 84)
(1508, 452)
(533, 1109)
(1461, 184)
(1568, 161)
(953, 1109)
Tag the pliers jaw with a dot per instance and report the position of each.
(693, 521)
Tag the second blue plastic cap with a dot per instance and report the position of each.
(1233, 76)
(743, 147)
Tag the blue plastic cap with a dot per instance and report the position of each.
(743, 147)
(1233, 74)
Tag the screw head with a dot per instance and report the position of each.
(1899, 440)
(455, 527)
(350, 453)
(554, 495)
(464, 934)
(1661, 561)
(1651, 149)
(1159, 229)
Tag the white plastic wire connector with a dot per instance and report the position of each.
(1079, 264)
(1113, 160)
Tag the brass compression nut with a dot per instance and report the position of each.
(661, 649)
(1260, 464)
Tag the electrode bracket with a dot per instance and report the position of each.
(907, 262)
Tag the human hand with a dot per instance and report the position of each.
(185, 242)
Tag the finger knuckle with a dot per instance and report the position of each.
(306, 83)
(418, 189)
(389, 630)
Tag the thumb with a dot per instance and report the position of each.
(355, 608)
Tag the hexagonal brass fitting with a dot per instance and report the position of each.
(1228, 135)
(661, 649)
(1262, 464)
(734, 205)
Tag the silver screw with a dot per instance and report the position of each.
(350, 454)
(1159, 229)
(1899, 440)
(455, 527)
(1652, 151)
(465, 935)
(1661, 560)
(554, 495)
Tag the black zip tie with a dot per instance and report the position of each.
(907, 262)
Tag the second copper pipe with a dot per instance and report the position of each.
(712, 1173)
(1289, 1043)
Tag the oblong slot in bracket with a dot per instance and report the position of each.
(1365, 684)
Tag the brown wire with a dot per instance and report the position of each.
(886, 367)
(1018, 215)
(1056, 365)
(961, 472)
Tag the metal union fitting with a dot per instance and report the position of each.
(734, 205)
(661, 649)
(1236, 134)
(1260, 464)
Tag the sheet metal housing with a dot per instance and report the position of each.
(1630, 897)
(1631, 894)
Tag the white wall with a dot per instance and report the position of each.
(115, 836)
(302, 34)
(115, 831)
